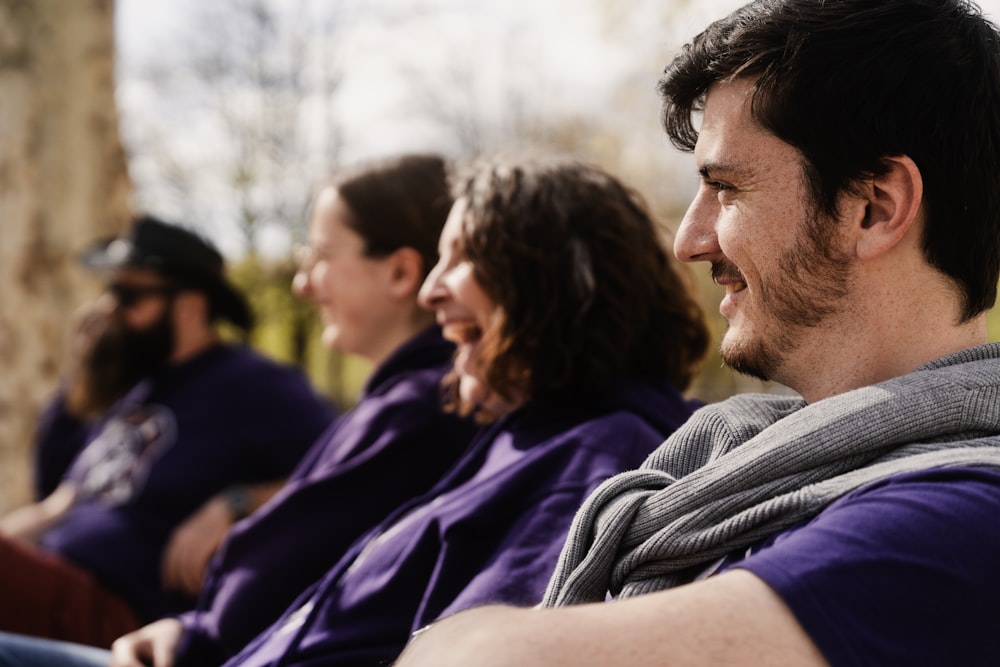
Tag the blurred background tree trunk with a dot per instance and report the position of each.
(63, 182)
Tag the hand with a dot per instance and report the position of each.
(153, 645)
(29, 523)
(187, 554)
(89, 324)
(194, 542)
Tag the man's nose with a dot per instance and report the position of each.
(696, 240)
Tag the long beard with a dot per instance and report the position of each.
(118, 359)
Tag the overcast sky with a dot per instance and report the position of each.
(579, 54)
(568, 39)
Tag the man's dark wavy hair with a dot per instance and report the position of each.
(852, 82)
(586, 291)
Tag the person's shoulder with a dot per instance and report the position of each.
(416, 368)
(647, 412)
(243, 355)
(941, 501)
(418, 383)
(960, 484)
(916, 506)
(252, 378)
(928, 537)
(243, 361)
(411, 402)
(617, 438)
(929, 511)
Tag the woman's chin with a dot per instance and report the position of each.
(475, 393)
(472, 391)
(331, 338)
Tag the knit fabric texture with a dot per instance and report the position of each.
(744, 469)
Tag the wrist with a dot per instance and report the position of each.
(238, 502)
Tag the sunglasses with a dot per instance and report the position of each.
(128, 296)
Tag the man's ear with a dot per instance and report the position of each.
(893, 207)
(406, 273)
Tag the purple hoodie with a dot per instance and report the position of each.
(490, 532)
(394, 445)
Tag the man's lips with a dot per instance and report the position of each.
(728, 276)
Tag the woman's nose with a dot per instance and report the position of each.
(432, 292)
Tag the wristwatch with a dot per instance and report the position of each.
(238, 501)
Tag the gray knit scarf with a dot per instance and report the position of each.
(751, 466)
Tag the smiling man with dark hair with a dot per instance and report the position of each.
(850, 206)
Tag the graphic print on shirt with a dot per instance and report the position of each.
(115, 465)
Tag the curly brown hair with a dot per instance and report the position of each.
(577, 267)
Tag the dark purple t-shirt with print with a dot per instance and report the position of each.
(224, 417)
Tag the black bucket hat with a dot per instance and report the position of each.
(177, 254)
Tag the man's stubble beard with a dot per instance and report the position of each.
(815, 283)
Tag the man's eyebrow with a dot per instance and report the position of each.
(708, 169)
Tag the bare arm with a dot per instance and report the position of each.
(29, 522)
(194, 542)
(732, 619)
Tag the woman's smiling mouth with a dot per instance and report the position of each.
(462, 333)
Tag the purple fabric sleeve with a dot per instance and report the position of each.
(901, 572)
(392, 446)
(490, 532)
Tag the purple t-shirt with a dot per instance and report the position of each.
(226, 416)
(394, 445)
(899, 572)
(58, 439)
(490, 532)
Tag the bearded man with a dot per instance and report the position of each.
(165, 435)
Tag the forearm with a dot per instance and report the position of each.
(492, 636)
(498, 636)
(193, 543)
(26, 523)
(732, 619)
(30, 522)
